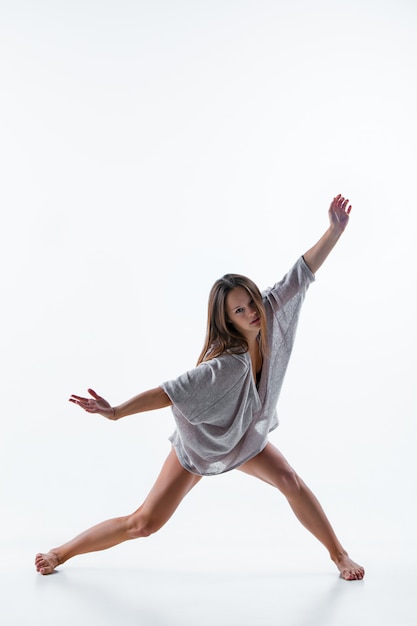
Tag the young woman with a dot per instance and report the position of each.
(224, 408)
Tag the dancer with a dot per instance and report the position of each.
(225, 408)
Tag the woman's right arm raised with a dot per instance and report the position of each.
(147, 401)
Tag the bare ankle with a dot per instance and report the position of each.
(337, 556)
(55, 554)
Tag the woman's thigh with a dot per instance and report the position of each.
(272, 467)
(171, 486)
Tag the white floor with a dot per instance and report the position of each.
(128, 596)
(107, 590)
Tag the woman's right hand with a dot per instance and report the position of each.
(96, 404)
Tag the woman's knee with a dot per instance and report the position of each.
(142, 525)
(288, 482)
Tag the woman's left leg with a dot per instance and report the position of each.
(271, 467)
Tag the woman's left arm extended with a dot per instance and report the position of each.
(339, 217)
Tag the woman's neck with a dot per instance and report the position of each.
(253, 342)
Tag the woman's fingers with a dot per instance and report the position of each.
(85, 403)
(94, 394)
(81, 399)
(96, 404)
(340, 205)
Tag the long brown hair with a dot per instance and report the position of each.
(221, 335)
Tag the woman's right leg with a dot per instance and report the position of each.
(172, 484)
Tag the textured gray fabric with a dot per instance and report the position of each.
(222, 419)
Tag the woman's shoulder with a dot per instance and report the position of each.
(227, 359)
(220, 373)
(228, 365)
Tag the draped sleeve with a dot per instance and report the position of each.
(207, 393)
(213, 408)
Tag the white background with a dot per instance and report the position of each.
(146, 149)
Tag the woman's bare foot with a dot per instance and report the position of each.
(349, 570)
(46, 563)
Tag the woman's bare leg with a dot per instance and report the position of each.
(172, 484)
(271, 467)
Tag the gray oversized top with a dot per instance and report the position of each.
(222, 418)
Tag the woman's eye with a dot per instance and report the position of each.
(239, 310)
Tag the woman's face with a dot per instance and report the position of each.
(242, 312)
